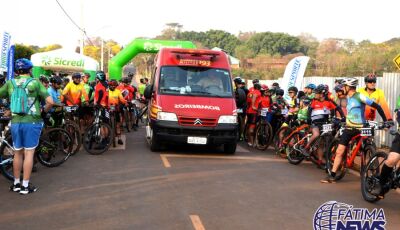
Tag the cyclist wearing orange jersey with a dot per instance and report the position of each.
(73, 94)
(74, 91)
(127, 90)
(116, 99)
(375, 94)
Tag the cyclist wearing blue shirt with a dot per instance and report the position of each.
(355, 119)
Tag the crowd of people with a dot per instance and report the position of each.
(316, 105)
(32, 102)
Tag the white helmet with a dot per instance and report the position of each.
(350, 81)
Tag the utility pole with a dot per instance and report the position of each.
(83, 30)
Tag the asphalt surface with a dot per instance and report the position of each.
(187, 187)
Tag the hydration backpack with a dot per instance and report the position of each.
(19, 98)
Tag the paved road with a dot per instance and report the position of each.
(179, 189)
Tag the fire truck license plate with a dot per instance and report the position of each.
(197, 140)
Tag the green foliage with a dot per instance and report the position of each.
(274, 43)
(23, 51)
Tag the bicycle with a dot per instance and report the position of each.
(69, 125)
(54, 148)
(263, 134)
(97, 137)
(362, 143)
(370, 176)
(299, 140)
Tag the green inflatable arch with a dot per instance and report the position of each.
(140, 46)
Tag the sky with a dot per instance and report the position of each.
(42, 22)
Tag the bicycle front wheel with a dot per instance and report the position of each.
(292, 148)
(6, 158)
(55, 147)
(330, 155)
(262, 136)
(97, 138)
(74, 132)
(369, 177)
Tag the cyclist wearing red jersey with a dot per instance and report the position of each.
(252, 110)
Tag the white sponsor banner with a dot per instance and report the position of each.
(294, 73)
(5, 40)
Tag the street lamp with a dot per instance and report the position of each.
(102, 46)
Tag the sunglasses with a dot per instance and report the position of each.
(371, 81)
(291, 92)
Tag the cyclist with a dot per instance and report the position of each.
(375, 94)
(127, 91)
(278, 109)
(293, 104)
(252, 110)
(73, 94)
(55, 93)
(341, 98)
(101, 101)
(255, 81)
(86, 109)
(240, 99)
(309, 90)
(44, 80)
(318, 113)
(25, 128)
(141, 87)
(302, 115)
(355, 119)
(264, 102)
(116, 99)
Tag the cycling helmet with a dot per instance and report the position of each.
(311, 86)
(130, 74)
(326, 87)
(257, 86)
(23, 64)
(113, 83)
(300, 94)
(237, 80)
(264, 87)
(56, 80)
(256, 81)
(76, 75)
(370, 78)
(306, 100)
(321, 89)
(293, 88)
(280, 92)
(100, 75)
(125, 80)
(339, 87)
(43, 79)
(339, 80)
(351, 81)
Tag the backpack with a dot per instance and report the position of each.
(19, 98)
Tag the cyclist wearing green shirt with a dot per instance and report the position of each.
(26, 128)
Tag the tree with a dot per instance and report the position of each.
(50, 47)
(171, 32)
(23, 51)
(274, 43)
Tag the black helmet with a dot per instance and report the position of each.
(306, 100)
(56, 80)
(279, 92)
(370, 78)
(293, 88)
(125, 80)
(76, 75)
(321, 89)
(237, 80)
(43, 79)
(100, 75)
(256, 81)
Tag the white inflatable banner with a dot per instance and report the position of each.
(294, 73)
(5, 40)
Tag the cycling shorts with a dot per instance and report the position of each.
(396, 144)
(26, 135)
(347, 135)
(251, 118)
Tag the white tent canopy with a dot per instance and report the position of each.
(64, 60)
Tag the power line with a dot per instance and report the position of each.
(73, 22)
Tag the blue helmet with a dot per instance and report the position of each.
(23, 64)
(311, 86)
